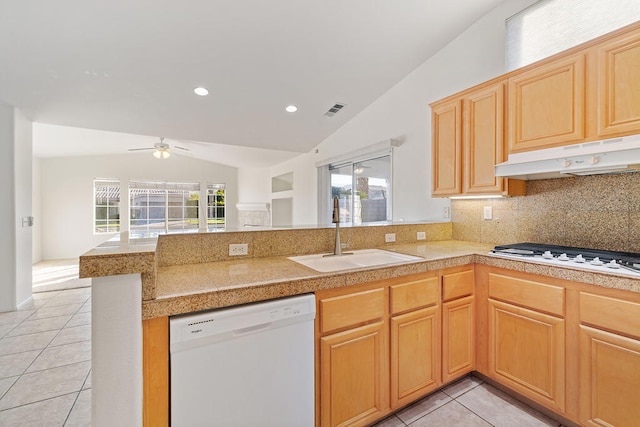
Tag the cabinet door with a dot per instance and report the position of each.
(446, 124)
(619, 85)
(354, 376)
(458, 338)
(546, 105)
(609, 379)
(483, 140)
(415, 355)
(527, 353)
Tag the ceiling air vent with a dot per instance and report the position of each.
(333, 110)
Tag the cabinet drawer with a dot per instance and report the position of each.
(412, 295)
(346, 310)
(527, 293)
(610, 313)
(457, 285)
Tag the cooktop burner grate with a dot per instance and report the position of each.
(628, 260)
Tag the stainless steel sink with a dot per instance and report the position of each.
(357, 259)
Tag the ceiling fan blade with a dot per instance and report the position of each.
(181, 148)
(142, 149)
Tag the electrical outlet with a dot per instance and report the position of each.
(238, 249)
(421, 235)
(446, 213)
(390, 237)
(488, 212)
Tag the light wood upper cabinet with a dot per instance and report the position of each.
(483, 145)
(547, 105)
(468, 140)
(446, 126)
(618, 80)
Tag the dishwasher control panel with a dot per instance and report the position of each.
(234, 321)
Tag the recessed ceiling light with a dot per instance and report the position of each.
(202, 91)
(291, 108)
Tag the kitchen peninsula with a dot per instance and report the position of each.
(138, 286)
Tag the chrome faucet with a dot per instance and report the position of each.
(337, 250)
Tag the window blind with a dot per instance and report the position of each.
(551, 26)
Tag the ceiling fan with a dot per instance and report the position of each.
(162, 149)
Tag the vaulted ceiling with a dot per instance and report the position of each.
(131, 66)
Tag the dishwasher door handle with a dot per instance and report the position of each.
(251, 329)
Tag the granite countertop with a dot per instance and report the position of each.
(179, 289)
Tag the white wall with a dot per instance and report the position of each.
(403, 113)
(67, 193)
(23, 134)
(15, 203)
(36, 201)
(254, 185)
(7, 211)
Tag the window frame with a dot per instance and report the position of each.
(108, 219)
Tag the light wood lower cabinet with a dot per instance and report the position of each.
(527, 352)
(458, 338)
(609, 379)
(354, 376)
(378, 348)
(415, 355)
(458, 323)
(609, 361)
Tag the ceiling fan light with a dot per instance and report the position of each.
(161, 154)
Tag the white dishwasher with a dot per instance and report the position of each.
(244, 366)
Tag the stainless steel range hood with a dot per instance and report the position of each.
(590, 158)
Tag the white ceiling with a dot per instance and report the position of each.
(130, 66)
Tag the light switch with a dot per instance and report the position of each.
(488, 212)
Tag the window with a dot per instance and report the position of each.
(163, 207)
(106, 205)
(551, 26)
(363, 188)
(215, 207)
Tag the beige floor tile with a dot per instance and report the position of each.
(60, 310)
(461, 387)
(16, 364)
(39, 325)
(500, 409)
(86, 307)
(66, 300)
(5, 384)
(12, 345)
(6, 328)
(73, 334)
(80, 415)
(87, 382)
(14, 316)
(391, 421)
(423, 407)
(52, 357)
(452, 414)
(36, 386)
(79, 319)
(47, 413)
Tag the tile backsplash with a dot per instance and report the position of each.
(599, 211)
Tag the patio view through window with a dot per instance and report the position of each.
(163, 207)
(158, 207)
(215, 207)
(106, 205)
(363, 188)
